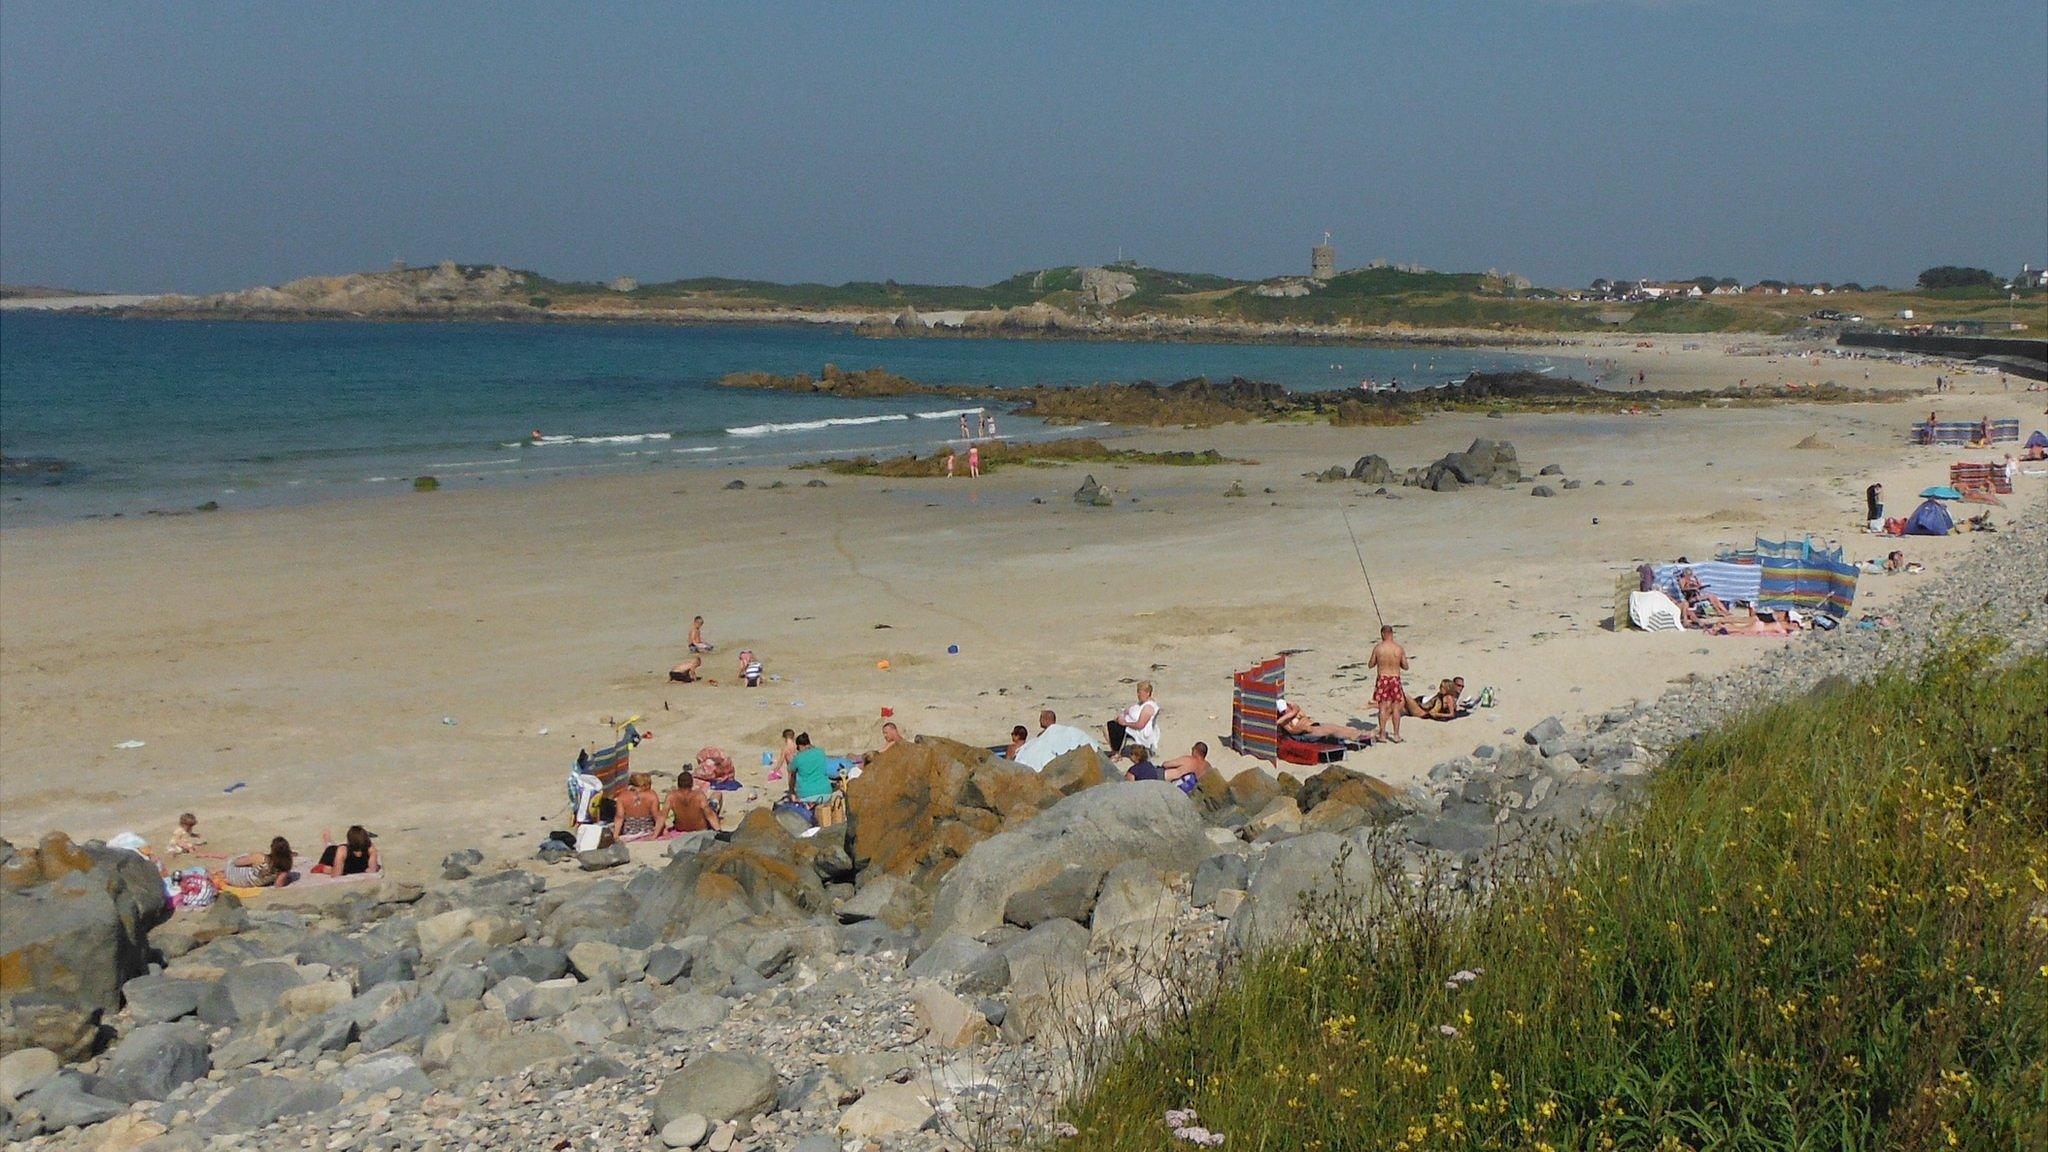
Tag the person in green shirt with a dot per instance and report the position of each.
(811, 771)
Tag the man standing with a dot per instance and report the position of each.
(1388, 661)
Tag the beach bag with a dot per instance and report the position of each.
(195, 888)
(798, 809)
(589, 837)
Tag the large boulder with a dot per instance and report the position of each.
(1080, 768)
(75, 921)
(718, 1086)
(1096, 828)
(1298, 880)
(1374, 469)
(153, 1060)
(903, 812)
(763, 872)
(1380, 801)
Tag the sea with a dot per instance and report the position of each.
(103, 416)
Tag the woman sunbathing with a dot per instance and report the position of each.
(1295, 722)
(272, 869)
(1755, 625)
(1444, 705)
(355, 856)
(639, 815)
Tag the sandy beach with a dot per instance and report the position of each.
(429, 664)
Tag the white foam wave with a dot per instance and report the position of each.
(626, 438)
(812, 425)
(949, 413)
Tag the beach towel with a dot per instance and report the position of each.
(1051, 744)
(1255, 709)
(1733, 581)
(1653, 611)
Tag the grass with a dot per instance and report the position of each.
(999, 454)
(1824, 929)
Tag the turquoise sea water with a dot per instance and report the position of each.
(166, 415)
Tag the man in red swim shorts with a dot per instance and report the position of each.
(1388, 661)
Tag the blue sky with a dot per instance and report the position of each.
(207, 146)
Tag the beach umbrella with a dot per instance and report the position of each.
(1940, 492)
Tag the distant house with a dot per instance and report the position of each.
(2031, 277)
(1726, 290)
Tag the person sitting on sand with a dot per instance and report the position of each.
(1295, 722)
(684, 809)
(689, 671)
(891, 737)
(750, 669)
(1137, 725)
(697, 643)
(1046, 719)
(1187, 770)
(810, 782)
(1444, 704)
(715, 770)
(1019, 736)
(639, 815)
(1694, 593)
(186, 838)
(354, 856)
(1142, 767)
(272, 869)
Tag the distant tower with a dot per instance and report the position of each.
(1322, 260)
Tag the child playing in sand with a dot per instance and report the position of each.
(750, 669)
(187, 837)
(697, 643)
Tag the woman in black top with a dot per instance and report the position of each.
(1873, 503)
(353, 857)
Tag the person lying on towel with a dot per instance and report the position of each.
(1756, 625)
(1444, 704)
(1295, 722)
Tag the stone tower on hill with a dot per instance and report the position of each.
(1322, 260)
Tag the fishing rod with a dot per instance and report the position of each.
(1360, 553)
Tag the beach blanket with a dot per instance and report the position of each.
(1731, 580)
(1255, 709)
(2005, 431)
(1979, 478)
(1653, 611)
(1803, 576)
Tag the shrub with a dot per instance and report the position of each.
(425, 484)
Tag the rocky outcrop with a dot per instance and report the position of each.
(836, 381)
(74, 926)
(1102, 287)
(446, 289)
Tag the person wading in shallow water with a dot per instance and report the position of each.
(1388, 661)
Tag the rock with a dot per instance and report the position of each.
(223, 918)
(719, 1086)
(1281, 814)
(1548, 728)
(63, 1102)
(597, 960)
(1253, 789)
(157, 999)
(1333, 816)
(315, 998)
(247, 992)
(949, 1021)
(960, 960)
(419, 1016)
(762, 873)
(536, 962)
(1550, 470)
(690, 1012)
(1374, 470)
(394, 967)
(437, 934)
(893, 900)
(382, 1071)
(736, 486)
(592, 1022)
(1135, 911)
(75, 921)
(1078, 770)
(153, 1060)
(664, 965)
(25, 1070)
(1224, 870)
(597, 1070)
(1097, 828)
(1542, 490)
(265, 1100)
(886, 1110)
(1570, 484)
(1316, 868)
(1090, 494)
(1103, 287)
(70, 1030)
(132, 1131)
(1069, 895)
(903, 813)
(1228, 901)
(685, 1131)
(610, 856)
(545, 1000)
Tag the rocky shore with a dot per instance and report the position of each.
(927, 975)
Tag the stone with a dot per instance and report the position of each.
(265, 1100)
(25, 1070)
(395, 967)
(1096, 828)
(70, 1030)
(456, 985)
(1333, 816)
(81, 929)
(1548, 728)
(1090, 494)
(719, 1086)
(1224, 870)
(156, 999)
(1079, 769)
(591, 1023)
(690, 1012)
(893, 900)
(597, 1070)
(1070, 895)
(315, 998)
(128, 1132)
(949, 1022)
(610, 856)
(861, 1069)
(1542, 490)
(816, 1142)
(247, 992)
(1316, 869)
(1280, 814)
(536, 962)
(903, 813)
(63, 1102)
(597, 960)
(886, 1110)
(381, 1071)
(439, 933)
(1227, 903)
(665, 965)
(762, 874)
(1550, 470)
(1374, 469)
(1134, 912)
(153, 1060)
(412, 1021)
(545, 1000)
(685, 1131)
(1570, 484)
(736, 486)
(1253, 789)
(959, 960)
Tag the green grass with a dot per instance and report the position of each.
(1824, 929)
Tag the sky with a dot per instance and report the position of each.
(203, 147)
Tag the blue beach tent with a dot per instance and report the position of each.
(1930, 519)
(2038, 440)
